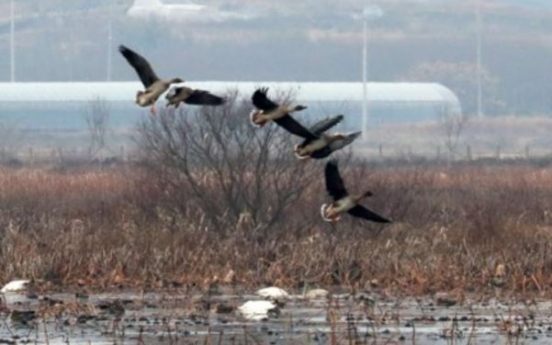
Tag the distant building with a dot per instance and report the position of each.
(187, 13)
(61, 105)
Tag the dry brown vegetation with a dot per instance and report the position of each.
(214, 200)
(119, 227)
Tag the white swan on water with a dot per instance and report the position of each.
(15, 291)
(279, 294)
(273, 292)
(316, 294)
(258, 310)
(15, 286)
(262, 310)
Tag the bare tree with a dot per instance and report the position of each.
(214, 163)
(452, 124)
(97, 119)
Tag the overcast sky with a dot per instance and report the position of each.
(312, 40)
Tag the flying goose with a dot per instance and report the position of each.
(271, 111)
(188, 95)
(317, 144)
(155, 87)
(337, 142)
(320, 144)
(343, 201)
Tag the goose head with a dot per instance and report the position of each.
(298, 107)
(341, 140)
(362, 196)
(175, 81)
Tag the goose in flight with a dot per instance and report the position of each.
(343, 201)
(267, 110)
(319, 144)
(188, 95)
(155, 87)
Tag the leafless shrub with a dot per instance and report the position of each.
(216, 165)
(97, 120)
(452, 124)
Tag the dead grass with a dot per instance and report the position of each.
(117, 227)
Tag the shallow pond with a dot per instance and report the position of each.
(178, 318)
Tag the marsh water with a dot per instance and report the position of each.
(191, 318)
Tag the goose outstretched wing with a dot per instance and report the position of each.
(261, 101)
(364, 213)
(202, 97)
(325, 124)
(140, 65)
(294, 127)
(334, 182)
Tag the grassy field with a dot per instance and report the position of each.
(122, 227)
